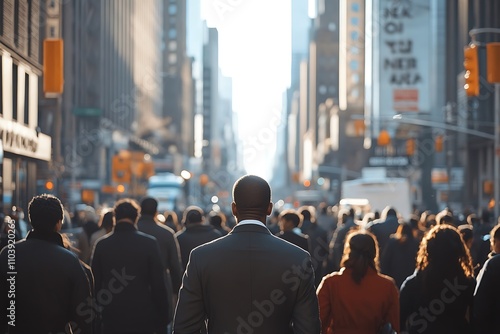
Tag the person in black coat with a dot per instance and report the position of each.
(169, 247)
(385, 227)
(248, 281)
(48, 288)
(487, 298)
(438, 297)
(400, 254)
(289, 222)
(130, 280)
(195, 232)
(318, 242)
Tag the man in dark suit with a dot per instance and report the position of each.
(129, 277)
(248, 281)
(196, 232)
(289, 222)
(169, 247)
(383, 228)
(45, 290)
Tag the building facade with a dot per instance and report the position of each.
(23, 145)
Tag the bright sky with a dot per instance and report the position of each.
(255, 51)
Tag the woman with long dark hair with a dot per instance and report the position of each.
(358, 299)
(438, 297)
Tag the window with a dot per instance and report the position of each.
(355, 7)
(172, 9)
(14, 91)
(172, 58)
(26, 98)
(172, 46)
(354, 35)
(354, 21)
(353, 65)
(172, 33)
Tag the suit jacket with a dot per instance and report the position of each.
(130, 282)
(51, 287)
(487, 298)
(192, 236)
(248, 281)
(169, 247)
(300, 240)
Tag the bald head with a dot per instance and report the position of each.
(251, 197)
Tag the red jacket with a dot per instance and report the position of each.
(349, 308)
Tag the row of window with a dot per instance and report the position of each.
(13, 81)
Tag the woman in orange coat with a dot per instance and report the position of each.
(358, 299)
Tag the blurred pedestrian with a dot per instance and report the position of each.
(358, 299)
(269, 287)
(400, 254)
(52, 292)
(487, 298)
(129, 277)
(106, 224)
(318, 242)
(336, 247)
(383, 228)
(218, 221)
(169, 247)
(289, 222)
(196, 232)
(88, 219)
(437, 298)
(172, 221)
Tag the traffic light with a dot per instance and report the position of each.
(121, 169)
(410, 146)
(471, 65)
(438, 144)
(384, 138)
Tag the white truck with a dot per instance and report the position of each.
(377, 191)
(168, 189)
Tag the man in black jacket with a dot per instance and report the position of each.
(169, 247)
(289, 222)
(130, 277)
(248, 281)
(195, 232)
(44, 288)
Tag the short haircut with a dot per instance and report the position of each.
(252, 193)
(192, 215)
(149, 206)
(307, 212)
(126, 208)
(292, 216)
(44, 212)
(216, 218)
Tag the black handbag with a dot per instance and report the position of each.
(386, 329)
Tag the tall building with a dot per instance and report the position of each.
(113, 97)
(23, 145)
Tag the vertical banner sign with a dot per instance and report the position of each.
(404, 56)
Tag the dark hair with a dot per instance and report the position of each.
(292, 216)
(360, 253)
(106, 220)
(126, 208)
(307, 212)
(149, 205)
(442, 255)
(466, 232)
(192, 215)
(216, 218)
(404, 233)
(44, 212)
(252, 193)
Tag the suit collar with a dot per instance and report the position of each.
(250, 228)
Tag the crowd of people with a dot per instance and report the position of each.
(258, 269)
